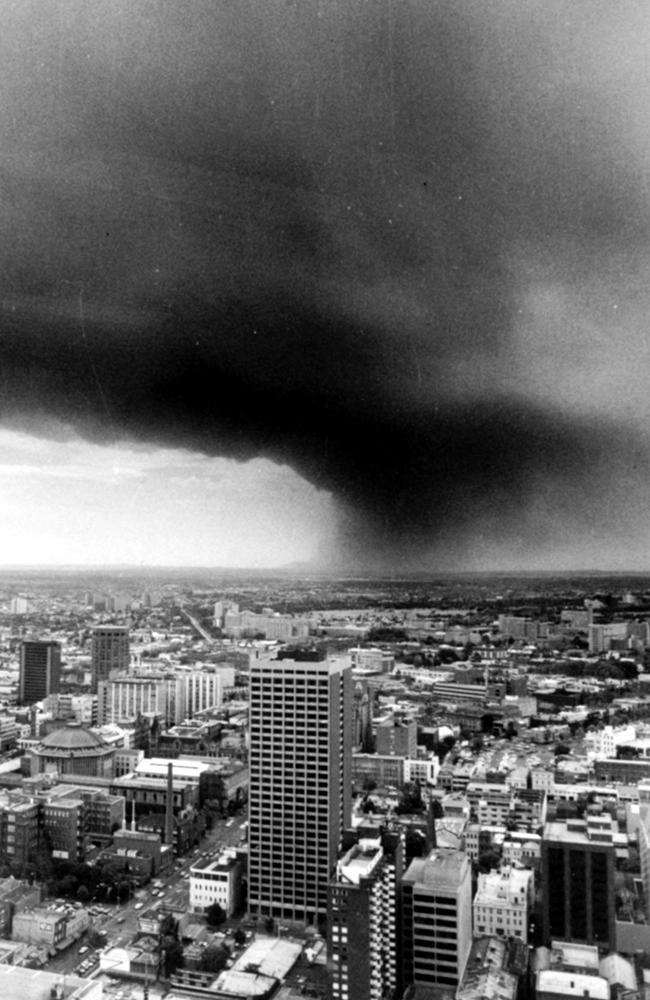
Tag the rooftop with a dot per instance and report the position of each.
(26, 984)
(72, 737)
(444, 869)
(572, 984)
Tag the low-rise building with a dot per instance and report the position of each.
(501, 904)
(553, 985)
(216, 880)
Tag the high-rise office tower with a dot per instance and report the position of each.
(110, 652)
(362, 917)
(40, 670)
(436, 919)
(299, 798)
(578, 893)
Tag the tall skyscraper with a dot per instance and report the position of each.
(362, 936)
(578, 861)
(40, 670)
(110, 652)
(436, 919)
(299, 798)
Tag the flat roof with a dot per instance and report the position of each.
(271, 956)
(572, 984)
(27, 984)
(444, 869)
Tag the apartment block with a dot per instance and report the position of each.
(362, 917)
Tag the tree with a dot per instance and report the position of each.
(410, 799)
(369, 783)
(214, 958)
(172, 954)
(83, 894)
(215, 915)
(562, 750)
(488, 861)
(240, 936)
(169, 927)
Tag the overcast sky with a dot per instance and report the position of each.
(363, 282)
(69, 501)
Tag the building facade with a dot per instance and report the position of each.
(216, 880)
(299, 799)
(578, 859)
(501, 904)
(362, 917)
(110, 652)
(436, 919)
(40, 670)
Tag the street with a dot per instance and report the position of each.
(120, 924)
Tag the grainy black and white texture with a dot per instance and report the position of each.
(400, 246)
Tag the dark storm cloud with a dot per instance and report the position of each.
(379, 242)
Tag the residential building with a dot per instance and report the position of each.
(299, 799)
(362, 916)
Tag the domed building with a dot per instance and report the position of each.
(73, 750)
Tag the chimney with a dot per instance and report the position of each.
(169, 810)
(133, 815)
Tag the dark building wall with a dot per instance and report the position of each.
(578, 893)
(40, 670)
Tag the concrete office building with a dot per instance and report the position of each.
(436, 919)
(110, 652)
(203, 688)
(578, 859)
(299, 799)
(124, 698)
(40, 670)
(397, 737)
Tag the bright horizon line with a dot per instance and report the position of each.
(300, 566)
